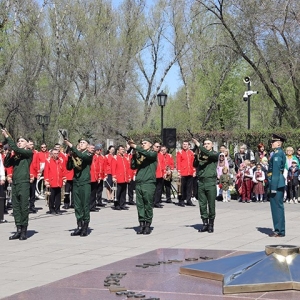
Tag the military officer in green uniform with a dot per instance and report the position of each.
(144, 160)
(80, 160)
(206, 164)
(20, 162)
(277, 185)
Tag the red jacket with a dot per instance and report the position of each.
(169, 161)
(132, 173)
(95, 169)
(9, 170)
(160, 167)
(120, 169)
(101, 162)
(34, 168)
(69, 173)
(55, 172)
(41, 159)
(184, 160)
(108, 164)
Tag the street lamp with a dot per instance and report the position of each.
(162, 100)
(44, 122)
(247, 96)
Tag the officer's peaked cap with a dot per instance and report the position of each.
(276, 137)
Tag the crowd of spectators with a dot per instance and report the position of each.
(248, 171)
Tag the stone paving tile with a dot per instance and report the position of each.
(163, 281)
(51, 249)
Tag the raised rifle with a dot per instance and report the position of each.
(195, 149)
(62, 134)
(192, 136)
(65, 139)
(127, 139)
(3, 128)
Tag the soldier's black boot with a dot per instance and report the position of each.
(100, 203)
(141, 228)
(23, 236)
(189, 203)
(147, 228)
(16, 235)
(77, 231)
(204, 226)
(84, 231)
(210, 226)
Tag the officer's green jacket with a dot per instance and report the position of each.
(146, 168)
(20, 162)
(206, 163)
(82, 175)
(275, 170)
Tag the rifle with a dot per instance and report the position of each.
(195, 148)
(190, 133)
(126, 138)
(65, 139)
(3, 128)
(62, 134)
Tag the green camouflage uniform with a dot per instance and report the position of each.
(20, 181)
(206, 163)
(82, 185)
(145, 182)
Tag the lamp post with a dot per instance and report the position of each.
(247, 96)
(162, 100)
(44, 122)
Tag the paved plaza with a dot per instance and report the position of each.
(51, 254)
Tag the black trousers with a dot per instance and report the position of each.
(158, 190)
(131, 188)
(167, 185)
(32, 193)
(93, 195)
(55, 199)
(2, 202)
(293, 190)
(68, 192)
(186, 187)
(121, 194)
(99, 191)
(195, 187)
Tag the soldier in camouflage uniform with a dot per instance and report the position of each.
(206, 163)
(20, 162)
(80, 160)
(144, 160)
